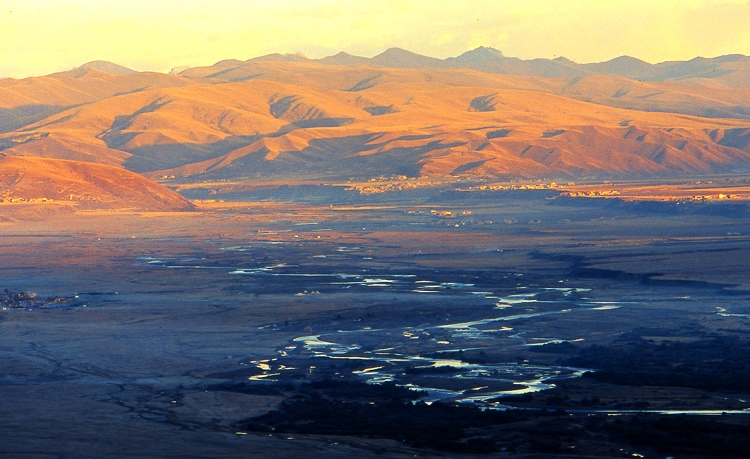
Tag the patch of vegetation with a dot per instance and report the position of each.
(357, 390)
(382, 411)
(695, 436)
(721, 363)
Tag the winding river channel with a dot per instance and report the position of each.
(423, 352)
(428, 357)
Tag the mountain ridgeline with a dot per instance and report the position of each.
(478, 115)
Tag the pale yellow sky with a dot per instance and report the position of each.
(38, 37)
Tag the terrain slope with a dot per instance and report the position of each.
(90, 186)
(478, 115)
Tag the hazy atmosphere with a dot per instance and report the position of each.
(374, 229)
(44, 36)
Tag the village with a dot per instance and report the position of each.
(656, 195)
(16, 199)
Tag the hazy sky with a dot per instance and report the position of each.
(42, 36)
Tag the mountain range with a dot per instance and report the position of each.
(286, 117)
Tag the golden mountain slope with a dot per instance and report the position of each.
(92, 186)
(292, 118)
(31, 99)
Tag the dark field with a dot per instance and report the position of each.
(250, 329)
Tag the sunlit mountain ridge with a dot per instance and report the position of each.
(480, 115)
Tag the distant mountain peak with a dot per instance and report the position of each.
(563, 60)
(627, 60)
(625, 66)
(396, 52)
(109, 67)
(398, 57)
(342, 58)
(228, 63)
(278, 57)
(481, 54)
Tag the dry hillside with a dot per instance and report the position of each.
(480, 114)
(90, 186)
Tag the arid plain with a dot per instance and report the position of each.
(242, 260)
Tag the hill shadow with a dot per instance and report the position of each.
(157, 157)
(15, 119)
(342, 157)
(115, 138)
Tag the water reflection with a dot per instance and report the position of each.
(428, 357)
(424, 352)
